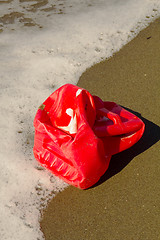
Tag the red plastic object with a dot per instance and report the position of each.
(77, 133)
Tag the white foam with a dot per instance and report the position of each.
(33, 63)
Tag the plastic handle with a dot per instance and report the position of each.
(118, 127)
(112, 116)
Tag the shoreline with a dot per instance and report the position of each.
(125, 203)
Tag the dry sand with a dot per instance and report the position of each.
(125, 204)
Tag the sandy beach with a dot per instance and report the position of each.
(125, 203)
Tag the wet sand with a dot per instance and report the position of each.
(125, 204)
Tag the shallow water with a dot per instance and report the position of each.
(36, 13)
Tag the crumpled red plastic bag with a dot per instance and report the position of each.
(77, 133)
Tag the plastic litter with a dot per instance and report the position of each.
(77, 133)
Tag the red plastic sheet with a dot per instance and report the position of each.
(77, 133)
